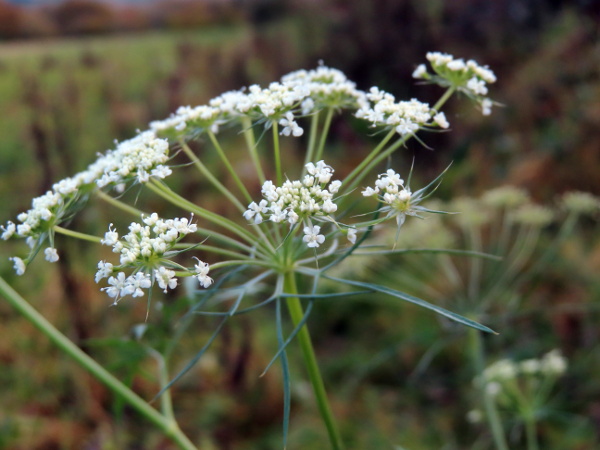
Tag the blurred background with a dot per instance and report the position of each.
(76, 75)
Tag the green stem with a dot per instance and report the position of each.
(166, 402)
(531, 432)
(491, 413)
(324, 133)
(119, 204)
(310, 360)
(277, 153)
(77, 234)
(230, 168)
(368, 159)
(168, 194)
(251, 144)
(166, 425)
(312, 139)
(210, 177)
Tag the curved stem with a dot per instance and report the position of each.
(312, 139)
(251, 144)
(324, 133)
(77, 234)
(119, 204)
(230, 168)
(310, 360)
(491, 413)
(163, 423)
(210, 177)
(165, 192)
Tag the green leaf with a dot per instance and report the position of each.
(417, 301)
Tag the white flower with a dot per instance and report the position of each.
(419, 71)
(111, 237)
(19, 265)
(440, 120)
(166, 278)
(290, 126)
(312, 237)
(51, 254)
(105, 269)
(117, 284)
(256, 211)
(202, 270)
(477, 86)
(8, 231)
(352, 235)
(486, 106)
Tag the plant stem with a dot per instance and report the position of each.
(324, 133)
(531, 432)
(210, 177)
(251, 144)
(119, 204)
(77, 234)
(230, 168)
(491, 413)
(314, 125)
(277, 153)
(165, 424)
(310, 360)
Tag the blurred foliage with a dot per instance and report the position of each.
(397, 377)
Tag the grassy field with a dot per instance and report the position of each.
(398, 377)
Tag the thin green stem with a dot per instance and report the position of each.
(310, 360)
(77, 234)
(210, 177)
(166, 401)
(531, 432)
(277, 153)
(164, 191)
(324, 133)
(491, 413)
(312, 139)
(119, 204)
(212, 249)
(163, 423)
(444, 98)
(251, 145)
(229, 167)
(369, 158)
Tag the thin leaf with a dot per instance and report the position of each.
(290, 337)
(417, 301)
(431, 250)
(198, 355)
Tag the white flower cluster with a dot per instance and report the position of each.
(552, 364)
(144, 244)
(468, 76)
(297, 200)
(390, 189)
(303, 92)
(145, 249)
(139, 158)
(406, 117)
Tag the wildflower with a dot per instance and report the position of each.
(19, 265)
(580, 202)
(290, 126)
(351, 235)
(105, 269)
(201, 270)
(533, 215)
(51, 254)
(8, 231)
(297, 200)
(165, 278)
(505, 197)
(440, 120)
(312, 237)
